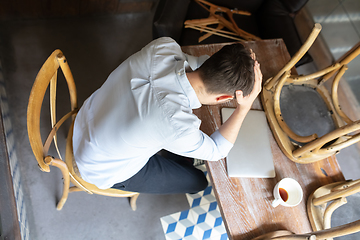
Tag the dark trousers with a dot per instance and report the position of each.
(166, 173)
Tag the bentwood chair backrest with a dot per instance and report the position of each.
(325, 200)
(313, 127)
(47, 78)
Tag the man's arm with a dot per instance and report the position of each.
(230, 129)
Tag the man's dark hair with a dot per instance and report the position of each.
(228, 70)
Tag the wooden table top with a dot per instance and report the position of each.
(245, 203)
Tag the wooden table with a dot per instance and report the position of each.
(245, 203)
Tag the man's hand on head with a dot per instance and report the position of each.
(230, 129)
(246, 102)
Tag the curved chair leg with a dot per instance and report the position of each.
(65, 172)
(271, 82)
(133, 201)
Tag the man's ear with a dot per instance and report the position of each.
(223, 98)
(239, 92)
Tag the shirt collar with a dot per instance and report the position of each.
(186, 86)
(191, 62)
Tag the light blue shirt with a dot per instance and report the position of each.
(144, 106)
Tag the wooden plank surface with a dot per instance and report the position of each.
(245, 203)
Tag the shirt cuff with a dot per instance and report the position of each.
(223, 145)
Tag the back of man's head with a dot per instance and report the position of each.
(228, 70)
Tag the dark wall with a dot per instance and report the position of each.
(36, 9)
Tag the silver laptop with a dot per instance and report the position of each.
(251, 155)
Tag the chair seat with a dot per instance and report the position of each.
(75, 168)
(80, 183)
(305, 111)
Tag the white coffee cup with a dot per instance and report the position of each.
(288, 193)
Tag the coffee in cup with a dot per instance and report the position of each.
(288, 193)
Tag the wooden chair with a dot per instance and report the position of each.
(326, 199)
(310, 124)
(48, 76)
(234, 31)
(320, 206)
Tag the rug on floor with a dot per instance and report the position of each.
(202, 221)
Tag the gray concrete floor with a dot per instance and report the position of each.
(93, 48)
(340, 20)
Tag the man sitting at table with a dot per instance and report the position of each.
(146, 105)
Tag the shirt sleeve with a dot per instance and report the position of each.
(199, 145)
